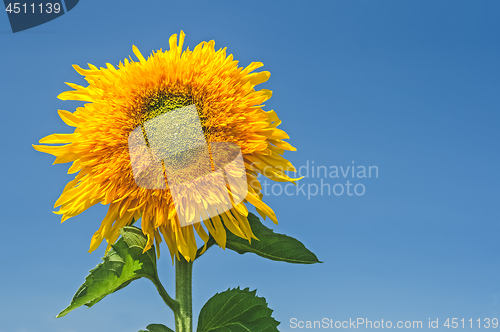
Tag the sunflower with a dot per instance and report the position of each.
(214, 101)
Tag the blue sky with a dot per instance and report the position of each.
(411, 87)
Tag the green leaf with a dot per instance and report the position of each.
(278, 247)
(156, 328)
(236, 310)
(122, 264)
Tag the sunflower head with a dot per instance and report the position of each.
(177, 140)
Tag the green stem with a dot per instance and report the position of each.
(173, 304)
(183, 295)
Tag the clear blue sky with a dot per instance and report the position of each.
(411, 87)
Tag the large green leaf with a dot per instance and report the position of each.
(278, 247)
(236, 310)
(122, 264)
(156, 328)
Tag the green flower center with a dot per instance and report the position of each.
(163, 103)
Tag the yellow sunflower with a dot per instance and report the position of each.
(209, 94)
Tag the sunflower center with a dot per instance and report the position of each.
(164, 103)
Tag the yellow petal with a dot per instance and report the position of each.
(138, 54)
